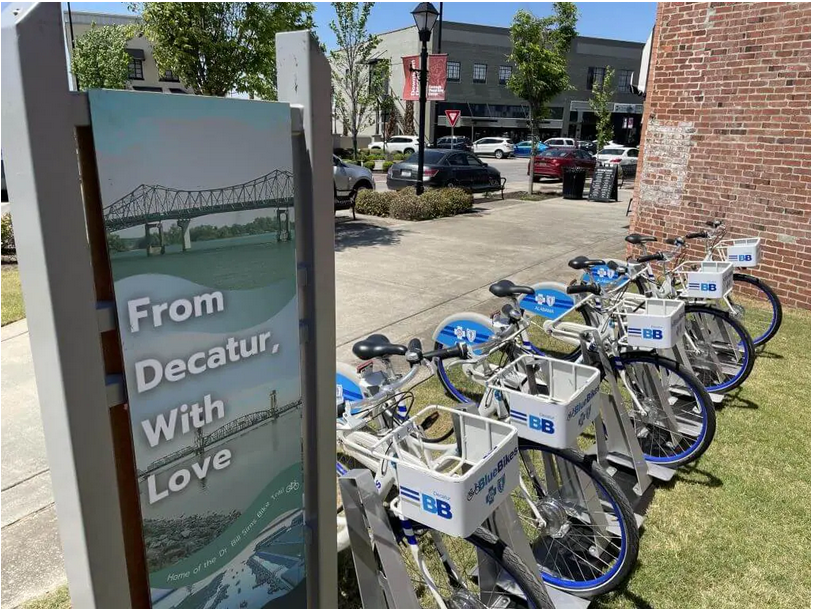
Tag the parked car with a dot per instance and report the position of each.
(444, 168)
(397, 144)
(551, 163)
(494, 145)
(460, 143)
(561, 142)
(523, 149)
(348, 181)
(625, 157)
(589, 146)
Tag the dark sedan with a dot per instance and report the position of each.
(444, 168)
(454, 142)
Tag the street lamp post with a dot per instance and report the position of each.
(425, 16)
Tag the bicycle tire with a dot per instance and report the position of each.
(745, 342)
(628, 553)
(772, 297)
(573, 356)
(701, 396)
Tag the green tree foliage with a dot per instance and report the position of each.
(539, 50)
(117, 244)
(600, 103)
(220, 47)
(99, 59)
(7, 241)
(409, 118)
(358, 84)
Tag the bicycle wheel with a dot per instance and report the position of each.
(756, 306)
(464, 381)
(581, 526)
(673, 415)
(720, 349)
(452, 567)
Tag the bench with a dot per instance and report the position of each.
(478, 189)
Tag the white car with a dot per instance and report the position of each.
(626, 157)
(493, 145)
(397, 144)
(561, 142)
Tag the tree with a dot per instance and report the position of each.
(358, 81)
(99, 59)
(390, 111)
(600, 103)
(220, 47)
(539, 49)
(409, 118)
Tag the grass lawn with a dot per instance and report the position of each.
(13, 308)
(56, 599)
(731, 531)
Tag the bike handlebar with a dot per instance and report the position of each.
(696, 235)
(584, 288)
(650, 257)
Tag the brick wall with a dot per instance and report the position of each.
(728, 132)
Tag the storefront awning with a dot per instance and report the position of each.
(640, 88)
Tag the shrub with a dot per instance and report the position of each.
(369, 164)
(7, 239)
(375, 155)
(387, 165)
(408, 206)
(370, 202)
(398, 157)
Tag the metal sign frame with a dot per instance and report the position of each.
(71, 319)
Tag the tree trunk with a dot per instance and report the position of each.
(534, 141)
(355, 145)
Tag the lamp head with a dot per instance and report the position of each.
(425, 15)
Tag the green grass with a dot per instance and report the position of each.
(13, 308)
(55, 599)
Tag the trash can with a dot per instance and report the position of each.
(573, 183)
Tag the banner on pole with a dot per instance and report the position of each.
(436, 78)
(202, 252)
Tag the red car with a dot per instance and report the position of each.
(550, 163)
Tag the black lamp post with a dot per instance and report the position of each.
(425, 16)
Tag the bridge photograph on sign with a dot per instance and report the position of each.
(198, 206)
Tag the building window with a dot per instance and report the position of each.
(505, 74)
(169, 76)
(479, 74)
(623, 82)
(453, 71)
(135, 70)
(595, 75)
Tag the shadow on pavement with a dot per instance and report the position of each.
(350, 234)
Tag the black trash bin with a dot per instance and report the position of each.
(573, 183)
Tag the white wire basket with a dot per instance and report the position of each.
(451, 488)
(743, 252)
(658, 325)
(565, 404)
(711, 280)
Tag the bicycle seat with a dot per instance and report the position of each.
(376, 346)
(581, 262)
(506, 289)
(639, 239)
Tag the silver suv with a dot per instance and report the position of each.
(348, 180)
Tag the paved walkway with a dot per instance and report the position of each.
(398, 278)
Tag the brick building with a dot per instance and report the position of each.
(727, 131)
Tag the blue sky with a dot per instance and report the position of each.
(618, 20)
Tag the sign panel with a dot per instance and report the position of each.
(197, 199)
(603, 184)
(452, 115)
(436, 77)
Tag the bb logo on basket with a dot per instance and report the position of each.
(741, 258)
(702, 287)
(430, 504)
(487, 478)
(647, 333)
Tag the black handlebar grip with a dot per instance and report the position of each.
(696, 235)
(650, 257)
(584, 288)
(714, 224)
(460, 350)
(675, 240)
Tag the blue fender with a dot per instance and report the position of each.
(603, 275)
(346, 383)
(470, 328)
(550, 300)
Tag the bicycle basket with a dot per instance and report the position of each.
(451, 488)
(711, 280)
(744, 252)
(660, 325)
(566, 402)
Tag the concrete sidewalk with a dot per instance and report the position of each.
(398, 278)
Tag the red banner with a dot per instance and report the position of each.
(436, 80)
